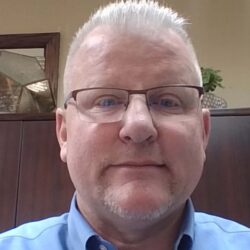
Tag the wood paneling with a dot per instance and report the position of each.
(44, 188)
(10, 140)
(224, 189)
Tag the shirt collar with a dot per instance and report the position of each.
(79, 229)
(186, 233)
(82, 236)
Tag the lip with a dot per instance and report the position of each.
(138, 164)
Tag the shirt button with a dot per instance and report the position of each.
(102, 247)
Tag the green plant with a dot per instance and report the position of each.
(211, 79)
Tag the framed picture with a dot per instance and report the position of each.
(29, 72)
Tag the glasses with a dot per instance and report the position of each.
(105, 105)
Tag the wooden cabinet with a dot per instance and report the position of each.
(10, 143)
(34, 183)
(44, 184)
(224, 189)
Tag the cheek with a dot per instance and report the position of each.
(182, 147)
(88, 150)
(180, 137)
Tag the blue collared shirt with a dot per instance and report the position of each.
(71, 231)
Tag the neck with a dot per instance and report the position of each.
(157, 235)
(148, 239)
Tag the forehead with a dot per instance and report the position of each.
(107, 56)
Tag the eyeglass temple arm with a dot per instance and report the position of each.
(69, 96)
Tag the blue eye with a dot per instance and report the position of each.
(168, 103)
(107, 102)
(165, 103)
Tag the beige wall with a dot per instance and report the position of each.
(220, 31)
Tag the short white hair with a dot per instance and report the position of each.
(133, 16)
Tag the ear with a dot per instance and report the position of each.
(206, 126)
(61, 132)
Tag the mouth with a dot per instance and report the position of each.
(139, 164)
(137, 173)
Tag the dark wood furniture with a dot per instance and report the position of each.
(34, 183)
(224, 189)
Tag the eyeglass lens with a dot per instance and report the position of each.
(108, 105)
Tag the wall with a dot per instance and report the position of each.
(220, 32)
(221, 35)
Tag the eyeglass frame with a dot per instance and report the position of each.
(74, 93)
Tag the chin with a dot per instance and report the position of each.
(136, 205)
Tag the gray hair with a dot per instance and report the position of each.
(134, 16)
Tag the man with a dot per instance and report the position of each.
(133, 135)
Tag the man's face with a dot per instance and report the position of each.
(137, 169)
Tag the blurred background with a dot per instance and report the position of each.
(219, 30)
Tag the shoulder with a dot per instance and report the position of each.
(220, 224)
(220, 233)
(44, 234)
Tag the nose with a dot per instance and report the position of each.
(137, 123)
